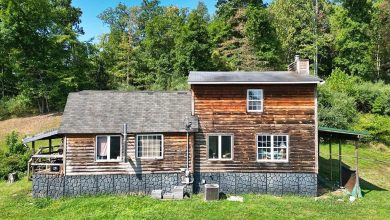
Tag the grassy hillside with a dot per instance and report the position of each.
(28, 125)
(16, 201)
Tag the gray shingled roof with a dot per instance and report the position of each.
(106, 111)
(270, 77)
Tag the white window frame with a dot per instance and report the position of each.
(261, 100)
(108, 148)
(152, 158)
(272, 148)
(220, 146)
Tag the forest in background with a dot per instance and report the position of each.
(153, 47)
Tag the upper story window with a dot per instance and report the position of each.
(108, 148)
(150, 146)
(254, 100)
(220, 147)
(272, 148)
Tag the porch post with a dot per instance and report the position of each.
(340, 170)
(33, 147)
(330, 159)
(50, 147)
(357, 184)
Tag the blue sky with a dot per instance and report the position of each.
(93, 27)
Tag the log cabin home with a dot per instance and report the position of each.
(249, 132)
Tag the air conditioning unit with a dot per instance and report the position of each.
(211, 192)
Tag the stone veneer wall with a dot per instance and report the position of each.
(56, 186)
(272, 183)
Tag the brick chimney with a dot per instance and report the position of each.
(300, 66)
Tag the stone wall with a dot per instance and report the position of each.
(56, 186)
(272, 183)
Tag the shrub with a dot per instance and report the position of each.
(14, 145)
(368, 96)
(335, 109)
(16, 159)
(378, 126)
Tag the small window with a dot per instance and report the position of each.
(150, 146)
(108, 148)
(272, 148)
(220, 147)
(254, 100)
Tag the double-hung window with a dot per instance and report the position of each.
(150, 146)
(272, 147)
(220, 147)
(254, 100)
(108, 148)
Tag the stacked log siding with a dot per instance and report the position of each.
(288, 109)
(80, 157)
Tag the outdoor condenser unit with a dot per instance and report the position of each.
(211, 192)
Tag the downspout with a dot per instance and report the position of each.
(187, 125)
(187, 152)
(124, 157)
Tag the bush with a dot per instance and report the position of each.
(378, 126)
(335, 109)
(369, 97)
(15, 106)
(16, 159)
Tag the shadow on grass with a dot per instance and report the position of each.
(329, 181)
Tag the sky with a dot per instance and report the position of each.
(93, 26)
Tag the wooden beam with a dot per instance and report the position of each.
(46, 164)
(46, 156)
(340, 164)
(357, 184)
(50, 147)
(33, 148)
(330, 159)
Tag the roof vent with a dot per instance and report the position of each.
(300, 66)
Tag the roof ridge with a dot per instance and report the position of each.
(138, 91)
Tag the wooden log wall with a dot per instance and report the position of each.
(288, 109)
(80, 156)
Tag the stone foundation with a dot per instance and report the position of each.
(55, 186)
(272, 183)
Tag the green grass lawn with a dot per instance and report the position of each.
(16, 202)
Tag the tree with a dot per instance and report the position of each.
(193, 44)
(350, 26)
(41, 49)
(381, 38)
(296, 24)
(245, 36)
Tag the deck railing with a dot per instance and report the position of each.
(44, 159)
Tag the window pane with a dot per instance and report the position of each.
(264, 147)
(213, 147)
(115, 148)
(226, 147)
(150, 146)
(280, 154)
(280, 147)
(255, 99)
(139, 146)
(264, 153)
(101, 151)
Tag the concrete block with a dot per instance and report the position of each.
(156, 194)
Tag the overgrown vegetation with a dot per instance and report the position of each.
(14, 157)
(350, 102)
